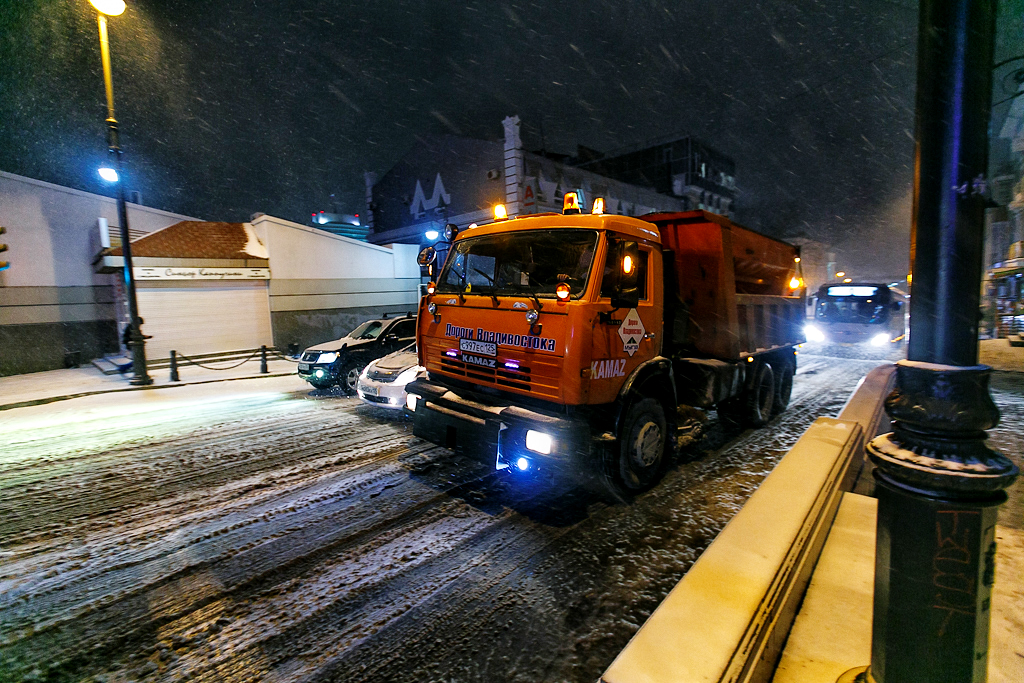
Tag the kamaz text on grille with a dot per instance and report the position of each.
(524, 341)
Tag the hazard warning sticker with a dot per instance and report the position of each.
(632, 331)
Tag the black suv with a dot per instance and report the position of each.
(340, 362)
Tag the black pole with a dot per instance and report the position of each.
(263, 360)
(174, 366)
(139, 369)
(939, 485)
(954, 90)
(138, 342)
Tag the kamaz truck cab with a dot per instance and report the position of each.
(545, 342)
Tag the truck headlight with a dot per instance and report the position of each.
(328, 357)
(410, 401)
(880, 339)
(813, 334)
(538, 442)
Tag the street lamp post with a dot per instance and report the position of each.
(138, 343)
(938, 484)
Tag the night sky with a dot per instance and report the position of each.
(232, 107)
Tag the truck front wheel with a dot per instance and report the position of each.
(639, 460)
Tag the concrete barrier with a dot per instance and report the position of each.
(729, 617)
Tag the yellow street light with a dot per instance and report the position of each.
(111, 8)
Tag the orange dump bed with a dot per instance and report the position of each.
(733, 295)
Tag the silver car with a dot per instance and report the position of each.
(382, 382)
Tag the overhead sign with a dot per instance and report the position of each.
(201, 273)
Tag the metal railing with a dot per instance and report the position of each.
(206, 360)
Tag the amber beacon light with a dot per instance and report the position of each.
(571, 203)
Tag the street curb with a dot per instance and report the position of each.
(54, 399)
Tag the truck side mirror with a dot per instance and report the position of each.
(426, 256)
(625, 293)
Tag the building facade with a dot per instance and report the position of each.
(451, 179)
(700, 175)
(202, 287)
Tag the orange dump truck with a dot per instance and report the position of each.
(586, 342)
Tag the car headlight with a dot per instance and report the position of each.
(880, 339)
(328, 357)
(407, 375)
(538, 442)
(813, 334)
(410, 401)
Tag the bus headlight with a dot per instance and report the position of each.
(538, 442)
(813, 334)
(880, 339)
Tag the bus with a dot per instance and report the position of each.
(857, 313)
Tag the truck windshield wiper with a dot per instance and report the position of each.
(494, 290)
(533, 293)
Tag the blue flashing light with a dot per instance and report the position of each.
(432, 235)
(108, 174)
(523, 464)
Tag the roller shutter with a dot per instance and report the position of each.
(205, 319)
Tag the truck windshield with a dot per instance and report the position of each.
(853, 304)
(524, 263)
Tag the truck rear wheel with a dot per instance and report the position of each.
(783, 388)
(752, 408)
(637, 462)
(760, 396)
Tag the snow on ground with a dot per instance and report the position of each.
(286, 536)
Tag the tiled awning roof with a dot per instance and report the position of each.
(199, 240)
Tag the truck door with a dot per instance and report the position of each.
(625, 338)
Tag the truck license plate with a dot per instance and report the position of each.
(479, 348)
(304, 367)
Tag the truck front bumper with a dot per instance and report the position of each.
(495, 432)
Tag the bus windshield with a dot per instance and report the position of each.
(861, 304)
(525, 263)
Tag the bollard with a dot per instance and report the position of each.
(174, 366)
(263, 360)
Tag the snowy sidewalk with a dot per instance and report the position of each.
(999, 355)
(37, 388)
